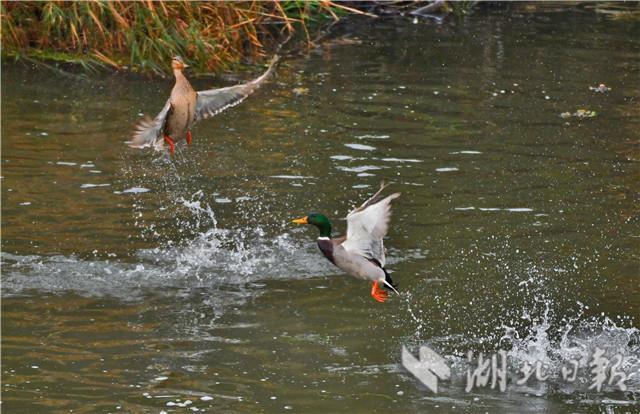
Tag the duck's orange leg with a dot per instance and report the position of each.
(169, 141)
(377, 293)
(188, 137)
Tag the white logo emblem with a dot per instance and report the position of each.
(428, 368)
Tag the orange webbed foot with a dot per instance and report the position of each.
(188, 137)
(169, 141)
(377, 293)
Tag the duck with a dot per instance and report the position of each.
(185, 107)
(361, 252)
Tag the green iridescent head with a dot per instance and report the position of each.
(319, 220)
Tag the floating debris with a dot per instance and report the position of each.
(342, 41)
(580, 113)
(300, 91)
(602, 88)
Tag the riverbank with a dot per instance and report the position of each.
(213, 36)
(143, 36)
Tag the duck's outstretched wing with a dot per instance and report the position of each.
(367, 225)
(213, 101)
(148, 131)
(371, 200)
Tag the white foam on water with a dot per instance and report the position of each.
(446, 169)
(512, 210)
(213, 257)
(359, 169)
(579, 341)
(289, 177)
(370, 136)
(402, 160)
(531, 332)
(466, 152)
(135, 190)
(360, 147)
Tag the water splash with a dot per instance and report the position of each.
(214, 256)
(563, 344)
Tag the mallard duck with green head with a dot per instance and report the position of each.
(361, 252)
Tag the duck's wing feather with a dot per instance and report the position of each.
(148, 131)
(371, 200)
(213, 101)
(367, 225)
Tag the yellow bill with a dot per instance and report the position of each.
(302, 220)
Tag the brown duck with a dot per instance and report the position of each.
(185, 107)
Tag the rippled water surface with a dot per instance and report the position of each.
(135, 283)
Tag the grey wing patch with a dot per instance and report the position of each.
(377, 253)
(213, 101)
(148, 131)
(369, 247)
(367, 225)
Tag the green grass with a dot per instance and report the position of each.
(144, 35)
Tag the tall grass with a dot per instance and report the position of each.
(143, 35)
